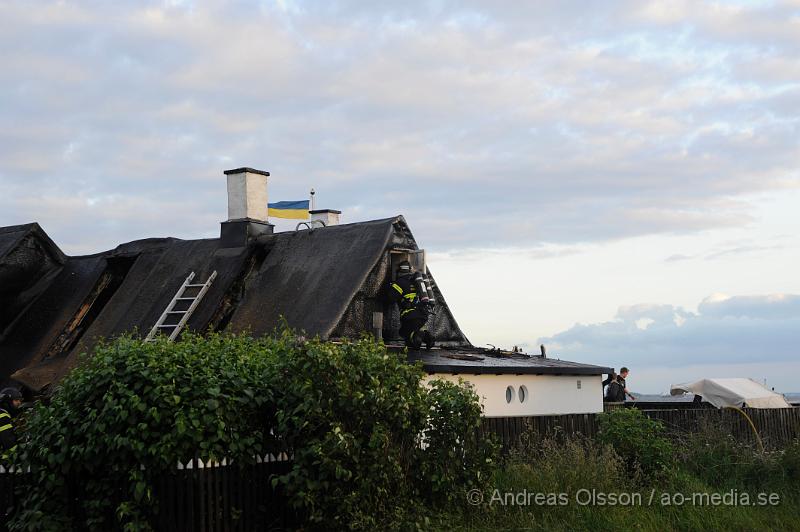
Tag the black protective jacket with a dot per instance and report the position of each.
(7, 437)
(403, 291)
(615, 393)
(620, 380)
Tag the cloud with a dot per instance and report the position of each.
(771, 307)
(724, 330)
(549, 122)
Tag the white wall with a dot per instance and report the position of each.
(547, 394)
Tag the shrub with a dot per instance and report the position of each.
(130, 413)
(370, 442)
(353, 416)
(640, 441)
(455, 458)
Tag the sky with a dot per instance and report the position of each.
(617, 180)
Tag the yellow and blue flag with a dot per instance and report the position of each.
(297, 210)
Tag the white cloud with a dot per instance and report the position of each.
(725, 330)
(586, 158)
(556, 123)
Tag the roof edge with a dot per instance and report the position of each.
(464, 369)
(246, 169)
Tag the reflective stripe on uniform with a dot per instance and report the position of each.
(7, 426)
(412, 295)
(406, 311)
(397, 287)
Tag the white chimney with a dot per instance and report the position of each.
(247, 207)
(328, 216)
(247, 194)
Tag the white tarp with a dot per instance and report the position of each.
(732, 392)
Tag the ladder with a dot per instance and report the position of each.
(187, 302)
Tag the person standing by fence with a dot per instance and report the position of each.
(615, 393)
(620, 378)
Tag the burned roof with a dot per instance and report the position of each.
(476, 361)
(328, 282)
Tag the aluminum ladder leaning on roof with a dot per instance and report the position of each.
(179, 298)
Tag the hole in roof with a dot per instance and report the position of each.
(117, 269)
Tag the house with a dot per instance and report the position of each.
(326, 280)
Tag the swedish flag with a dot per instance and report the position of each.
(289, 209)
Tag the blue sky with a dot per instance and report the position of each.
(621, 180)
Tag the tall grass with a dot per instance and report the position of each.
(707, 462)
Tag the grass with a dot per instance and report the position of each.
(706, 463)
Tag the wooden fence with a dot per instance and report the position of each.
(777, 427)
(199, 496)
(222, 497)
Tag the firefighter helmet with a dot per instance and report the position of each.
(10, 393)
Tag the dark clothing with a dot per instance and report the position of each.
(620, 380)
(413, 314)
(411, 331)
(403, 291)
(7, 437)
(615, 393)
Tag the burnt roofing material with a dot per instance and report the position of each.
(466, 361)
(315, 280)
(29, 260)
(327, 281)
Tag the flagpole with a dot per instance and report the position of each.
(313, 203)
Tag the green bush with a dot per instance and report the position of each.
(130, 412)
(638, 440)
(455, 458)
(352, 414)
(371, 445)
(370, 442)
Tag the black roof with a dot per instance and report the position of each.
(473, 361)
(327, 281)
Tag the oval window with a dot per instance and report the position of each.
(509, 394)
(523, 394)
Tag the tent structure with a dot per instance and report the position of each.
(732, 392)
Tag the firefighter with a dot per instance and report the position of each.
(10, 403)
(411, 295)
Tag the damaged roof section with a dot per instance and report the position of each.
(28, 259)
(327, 282)
(476, 361)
